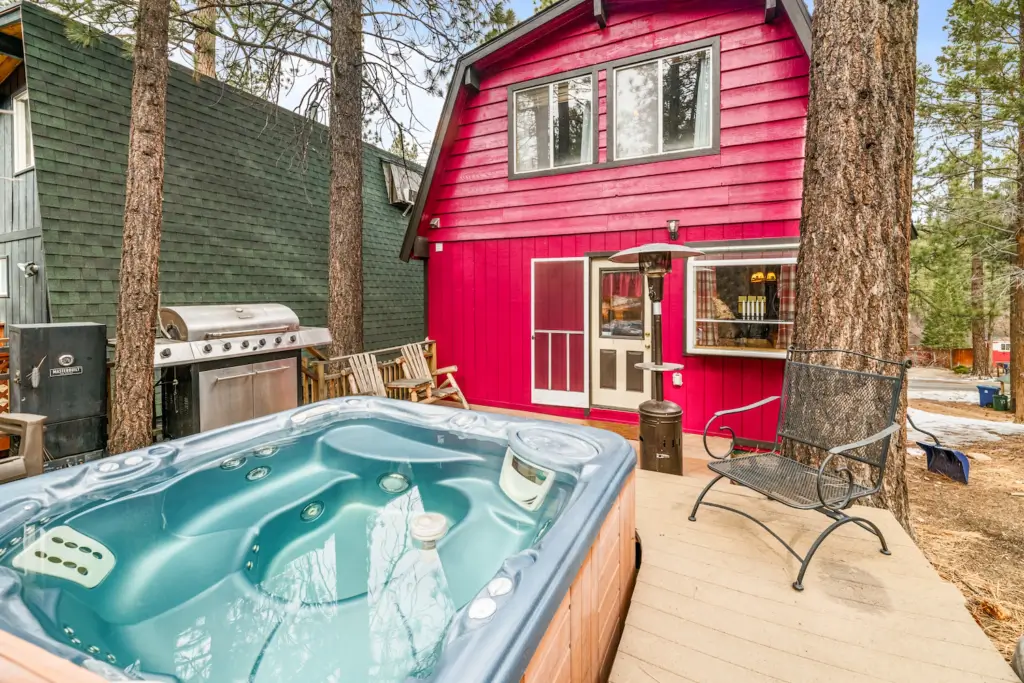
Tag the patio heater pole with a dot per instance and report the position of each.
(661, 421)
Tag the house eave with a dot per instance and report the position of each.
(796, 10)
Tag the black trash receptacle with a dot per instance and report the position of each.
(661, 437)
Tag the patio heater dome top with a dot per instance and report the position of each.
(674, 251)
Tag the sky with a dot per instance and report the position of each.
(930, 39)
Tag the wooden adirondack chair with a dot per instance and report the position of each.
(415, 367)
(365, 378)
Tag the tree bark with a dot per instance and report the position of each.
(979, 336)
(140, 250)
(205, 44)
(345, 251)
(1017, 290)
(853, 274)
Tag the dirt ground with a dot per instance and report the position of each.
(961, 410)
(974, 534)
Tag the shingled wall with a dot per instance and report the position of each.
(245, 194)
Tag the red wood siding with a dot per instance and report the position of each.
(491, 226)
(479, 313)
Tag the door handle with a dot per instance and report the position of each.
(242, 376)
(267, 372)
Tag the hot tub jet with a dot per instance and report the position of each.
(393, 482)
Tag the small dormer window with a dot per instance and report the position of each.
(553, 125)
(24, 157)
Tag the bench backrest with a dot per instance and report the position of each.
(831, 398)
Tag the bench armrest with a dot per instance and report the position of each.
(845, 471)
(732, 434)
(888, 431)
(445, 370)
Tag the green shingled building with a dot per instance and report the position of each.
(245, 193)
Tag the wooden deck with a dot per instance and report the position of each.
(713, 600)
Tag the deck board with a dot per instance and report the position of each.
(713, 600)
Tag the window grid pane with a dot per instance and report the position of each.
(636, 110)
(572, 122)
(532, 116)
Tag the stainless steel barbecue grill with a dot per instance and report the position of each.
(195, 334)
(226, 364)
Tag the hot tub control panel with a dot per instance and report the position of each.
(525, 483)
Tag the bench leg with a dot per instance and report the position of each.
(700, 498)
(840, 521)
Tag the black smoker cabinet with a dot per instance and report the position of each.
(60, 370)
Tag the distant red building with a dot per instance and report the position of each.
(583, 131)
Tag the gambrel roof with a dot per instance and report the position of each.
(467, 74)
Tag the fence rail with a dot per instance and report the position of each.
(324, 377)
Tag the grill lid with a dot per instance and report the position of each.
(197, 323)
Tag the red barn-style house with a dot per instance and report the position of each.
(599, 125)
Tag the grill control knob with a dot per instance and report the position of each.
(277, 340)
(245, 344)
(227, 346)
(292, 339)
(166, 353)
(207, 348)
(263, 342)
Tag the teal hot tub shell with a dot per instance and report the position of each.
(352, 541)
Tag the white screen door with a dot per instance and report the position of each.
(559, 367)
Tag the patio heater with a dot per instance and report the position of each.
(661, 421)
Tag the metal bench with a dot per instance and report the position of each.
(837, 407)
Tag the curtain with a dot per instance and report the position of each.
(787, 304)
(702, 125)
(628, 284)
(587, 131)
(707, 292)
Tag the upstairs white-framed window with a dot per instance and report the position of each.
(24, 156)
(552, 123)
(665, 104)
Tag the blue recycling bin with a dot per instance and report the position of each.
(986, 394)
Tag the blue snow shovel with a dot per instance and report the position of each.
(942, 459)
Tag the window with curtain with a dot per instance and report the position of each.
(663, 105)
(741, 304)
(24, 156)
(553, 125)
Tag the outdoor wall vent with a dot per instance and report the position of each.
(435, 223)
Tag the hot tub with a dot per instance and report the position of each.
(353, 540)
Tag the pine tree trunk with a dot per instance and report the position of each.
(1017, 291)
(205, 44)
(345, 252)
(140, 250)
(979, 338)
(854, 265)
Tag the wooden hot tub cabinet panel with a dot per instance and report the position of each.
(579, 645)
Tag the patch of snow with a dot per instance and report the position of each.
(958, 430)
(945, 395)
